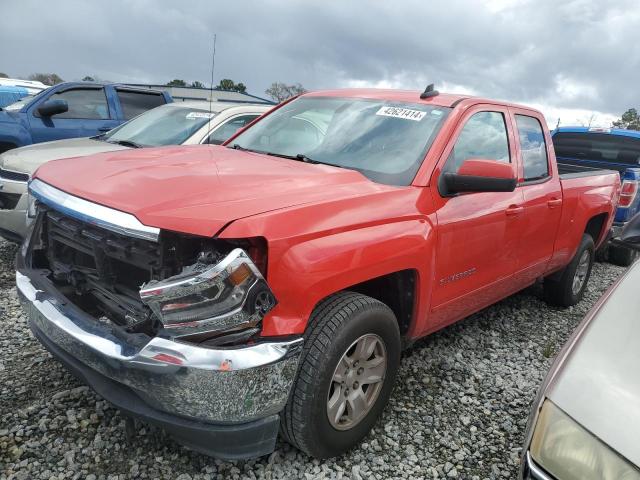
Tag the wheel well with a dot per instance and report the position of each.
(594, 226)
(396, 290)
(4, 146)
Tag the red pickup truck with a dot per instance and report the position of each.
(230, 292)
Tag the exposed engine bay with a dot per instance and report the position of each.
(102, 272)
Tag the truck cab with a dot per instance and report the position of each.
(584, 148)
(74, 109)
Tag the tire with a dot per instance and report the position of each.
(621, 256)
(336, 326)
(602, 254)
(559, 288)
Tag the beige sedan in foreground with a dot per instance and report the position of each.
(180, 123)
(585, 421)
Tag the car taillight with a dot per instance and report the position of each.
(628, 193)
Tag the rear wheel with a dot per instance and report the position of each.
(621, 256)
(346, 374)
(567, 288)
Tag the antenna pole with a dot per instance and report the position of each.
(213, 64)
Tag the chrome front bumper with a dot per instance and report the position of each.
(223, 386)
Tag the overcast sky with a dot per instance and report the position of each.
(570, 58)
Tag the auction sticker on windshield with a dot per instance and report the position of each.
(398, 112)
(200, 115)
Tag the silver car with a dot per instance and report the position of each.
(179, 123)
(585, 422)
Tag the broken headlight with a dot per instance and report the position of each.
(229, 295)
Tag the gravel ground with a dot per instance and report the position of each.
(459, 410)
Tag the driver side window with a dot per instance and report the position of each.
(484, 136)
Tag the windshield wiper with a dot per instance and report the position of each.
(126, 143)
(305, 159)
(237, 146)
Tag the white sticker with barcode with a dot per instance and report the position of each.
(398, 112)
(200, 115)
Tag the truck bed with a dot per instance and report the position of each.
(567, 170)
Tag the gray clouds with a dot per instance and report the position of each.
(577, 54)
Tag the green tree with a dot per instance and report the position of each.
(197, 84)
(46, 78)
(280, 91)
(230, 85)
(629, 120)
(3, 75)
(88, 79)
(177, 83)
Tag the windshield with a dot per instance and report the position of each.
(12, 107)
(166, 125)
(385, 141)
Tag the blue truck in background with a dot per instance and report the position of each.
(612, 149)
(74, 109)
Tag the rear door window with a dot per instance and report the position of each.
(135, 103)
(597, 147)
(533, 148)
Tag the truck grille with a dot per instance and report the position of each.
(15, 176)
(99, 269)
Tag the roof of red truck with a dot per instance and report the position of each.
(413, 96)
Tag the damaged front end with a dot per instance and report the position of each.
(215, 296)
(170, 321)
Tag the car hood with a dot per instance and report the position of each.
(28, 159)
(200, 189)
(598, 384)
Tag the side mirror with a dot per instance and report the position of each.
(630, 235)
(476, 175)
(53, 107)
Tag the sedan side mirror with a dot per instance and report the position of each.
(476, 175)
(53, 107)
(630, 235)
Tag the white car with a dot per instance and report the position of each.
(179, 123)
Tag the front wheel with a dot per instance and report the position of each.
(346, 374)
(568, 288)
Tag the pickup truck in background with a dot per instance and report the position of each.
(74, 109)
(582, 148)
(227, 293)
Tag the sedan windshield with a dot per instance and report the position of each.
(385, 141)
(166, 125)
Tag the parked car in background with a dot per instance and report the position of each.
(228, 293)
(584, 424)
(31, 86)
(74, 109)
(610, 148)
(183, 123)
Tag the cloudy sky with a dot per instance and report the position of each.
(577, 60)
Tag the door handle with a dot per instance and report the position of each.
(514, 210)
(554, 202)
(104, 129)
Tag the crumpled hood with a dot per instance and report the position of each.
(598, 385)
(28, 159)
(200, 189)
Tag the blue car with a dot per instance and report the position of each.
(612, 149)
(74, 109)
(10, 94)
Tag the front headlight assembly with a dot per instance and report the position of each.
(569, 452)
(227, 296)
